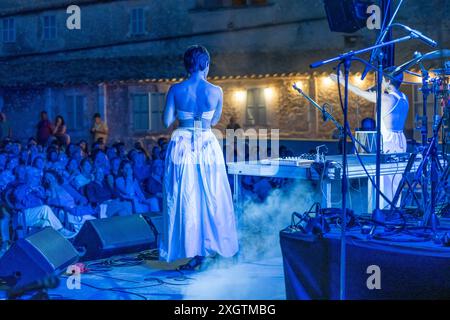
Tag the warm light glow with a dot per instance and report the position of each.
(268, 93)
(326, 81)
(240, 96)
(357, 79)
(298, 84)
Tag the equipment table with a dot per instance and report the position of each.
(331, 178)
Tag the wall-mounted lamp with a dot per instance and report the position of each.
(357, 79)
(268, 93)
(298, 84)
(240, 96)
(326, 81)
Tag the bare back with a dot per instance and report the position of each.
(195, 96)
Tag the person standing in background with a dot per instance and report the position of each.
(60, 131)
(232, 124)
(5, 127)
(44, 129)
(99, 129)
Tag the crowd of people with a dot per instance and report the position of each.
(56, 183)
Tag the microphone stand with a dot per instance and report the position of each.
(325, 114)
(381, 38)
(346, 60)
(328, 116)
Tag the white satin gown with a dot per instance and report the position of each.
(394, 141)
(199, 217)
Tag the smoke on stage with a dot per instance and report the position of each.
(258, 229)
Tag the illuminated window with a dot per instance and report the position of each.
(137, 21)
(256, 107)
(49, 27)
(8, 30)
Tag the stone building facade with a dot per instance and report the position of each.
(127, 54)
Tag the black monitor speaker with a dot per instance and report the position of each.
(36, 257)
(102, 238)
(346, 16)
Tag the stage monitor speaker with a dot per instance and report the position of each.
(102, 238)
(37, 256)
(346, 15)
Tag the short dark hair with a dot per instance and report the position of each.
(196, 58)
(395, 78)
(97, 115)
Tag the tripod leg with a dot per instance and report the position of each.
(404, 180)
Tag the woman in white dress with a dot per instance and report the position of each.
(394, 112)
(199, 219)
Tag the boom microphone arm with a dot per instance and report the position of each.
(325, 114)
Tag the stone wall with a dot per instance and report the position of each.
(287, 110)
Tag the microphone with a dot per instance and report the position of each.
(420, 35)
(324, 112)
(324, 115)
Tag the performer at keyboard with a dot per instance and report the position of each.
(199, 218)
(394, 111)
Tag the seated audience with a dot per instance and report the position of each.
(154, 186)
(63, 186)
(128, 188)
(100, 195)
(30, 197)
(73, 209)
(85, 175)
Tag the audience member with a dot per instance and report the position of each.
(44, 129)
(5, 127)
(60, 131)
(62, 185)
(99, 129)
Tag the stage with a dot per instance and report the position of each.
(153, 280)
(408, 268)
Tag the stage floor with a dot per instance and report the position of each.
(153, 280)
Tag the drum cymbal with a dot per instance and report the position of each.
(438, 54)
(408, 64)
(418, 57)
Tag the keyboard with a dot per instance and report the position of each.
(288, 161)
